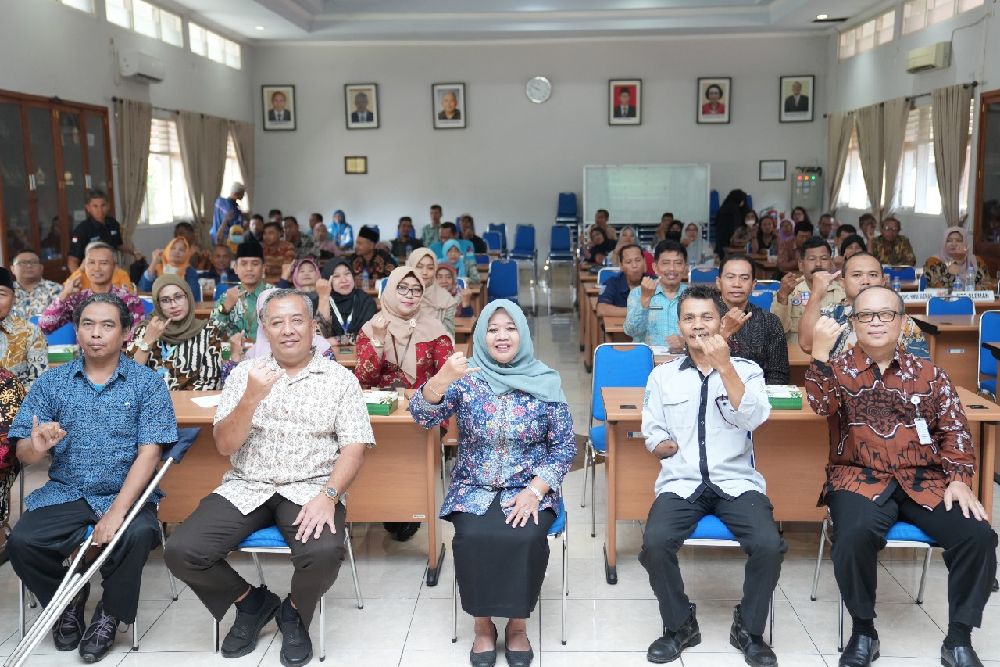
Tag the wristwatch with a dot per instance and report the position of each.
(332, 494)
(142, 345)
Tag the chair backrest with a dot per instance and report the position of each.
(502, 282)
(767, 285)
(482, 259)
(221, 289)
(381, 283)
(64, 335)
(567, 208)
(989, 332)
(460, 282)
(607, 273)
(696, 275)
(501, 229)
(904, 273)
(762, 299)
(618, 365)
(560, 240)
(147, 304)
(959, 305)
(524, 239)
(493, 242)
(922, 283)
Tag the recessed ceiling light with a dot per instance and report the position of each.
(260, 27)
(819, 17)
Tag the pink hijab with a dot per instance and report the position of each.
(970, 259)
(262, 347)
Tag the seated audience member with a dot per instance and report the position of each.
(277, 253)
(900, 450)
(790, 251)
(860, 270)
(954, 261)
(103, 419)
(221, 270)
(254, 230)
(304, 245)
(601, 219)
(666, 220)
(675, 231)
(447, 279)
(184, 351)
(302, 274)
(464, 264)
(98, 267)
(868, 223)
(311, 410)
(652, 306)
(321, 238)
(797, 288)
(752, 333)
(468, 233)
(626, 237)
(236, 310)
(765, 241)
(503, 500)
(698, 249)
(341, 231)
(343, 308)
(377, 262)
(892, 248)
(227, 213)
(200, 258)
(786, 231)
(32, 293)
(843, 231)
(405, 241)
(799, 214)
(600, 248)
(448, 232)
(851, 245)
(438, 303)
(174, 260)
(23, 350)
(613, 299)
(11, 395)
(274, 215)
(743, 235)
(430, 234)
(727, 394)
(825, 226)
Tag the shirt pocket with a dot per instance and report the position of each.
(678, 407)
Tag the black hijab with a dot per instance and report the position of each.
(355, 308)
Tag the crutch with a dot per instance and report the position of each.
(73, 582)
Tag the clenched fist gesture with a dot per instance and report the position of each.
(45, 436)
(648, 287)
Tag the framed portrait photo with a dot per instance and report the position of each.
(278, 106)
(771, 170)
(361, 106)
(715, 100)
(449, 106)
(796, 98)
(625, 102)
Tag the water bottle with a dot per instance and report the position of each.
(970, 278)
(956, 285)
(896, 286)
(364, 279)
(749, 247)
(607, 260)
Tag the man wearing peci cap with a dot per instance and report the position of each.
(377, 262)
(236, 310)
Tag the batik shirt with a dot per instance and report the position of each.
(896, 253)
(23, 350)
(34, 301)
(60, 312)
(910, 336)
(243, 316)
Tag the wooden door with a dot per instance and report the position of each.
(987, 202)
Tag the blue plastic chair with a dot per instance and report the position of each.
(524, 246)
(607, 273)
(221, 289)
(767, 285)
(696, 275)
(560, 246)
(270, 541)
(558, 530)
(762, 299)
(922, 283)
(615, 365)
(147, 304)
(959, 305)
(501, 282)
(904, 273)
(64, 335)
(567, 211)
(501, 229)
(989, 332)
(901, 535)
(482, 259)
(493, 241)
(380, 285)
(460, 282)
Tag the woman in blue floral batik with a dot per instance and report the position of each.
(515, 447)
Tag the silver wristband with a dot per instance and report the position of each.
(538, 494)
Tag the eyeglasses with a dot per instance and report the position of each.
(169, 301)
(403, 290)
(866, 317)
(27, 262)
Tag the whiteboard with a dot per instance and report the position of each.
(642, 193)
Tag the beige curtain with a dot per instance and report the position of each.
(871, 151)
(950, 123)
(243, 136)
(133, 122)
(203, 152)
(895, 114)
(839, 125)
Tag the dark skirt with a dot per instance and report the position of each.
(500, 569)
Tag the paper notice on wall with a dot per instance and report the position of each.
(91, 140)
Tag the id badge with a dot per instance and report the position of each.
(922, 432)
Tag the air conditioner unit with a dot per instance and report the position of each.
(933, 56)
(141, 66)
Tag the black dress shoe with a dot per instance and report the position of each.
(241, 639)
(296, 647)
(755, 650)
(69, 628)
(959, 656)
(669, 647)
(98, 639)
(861, 651)
(485, 658)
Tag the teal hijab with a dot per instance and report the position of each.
(525, 372)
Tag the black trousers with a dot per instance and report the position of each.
(43, 538)
(749, 517)
(196, 552)
(7, 479)
(500, 569)
(859, 529)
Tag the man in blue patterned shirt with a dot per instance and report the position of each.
(652, 306)
(102, 419)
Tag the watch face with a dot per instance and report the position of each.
(538, 89)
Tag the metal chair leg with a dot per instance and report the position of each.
(260, 570)
(322, 628)
(215, 634)
(586, 471)
(354, 568)
(565, 584)
(819, 560)
(840, 627)
(923, 575)
(135, 632)
(454, 609)
(770, 631)
(593, 495)
(170, 577)
(22, 621)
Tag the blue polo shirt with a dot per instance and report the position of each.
(616, 291)
(105, 426)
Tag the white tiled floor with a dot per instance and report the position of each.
(406, 623)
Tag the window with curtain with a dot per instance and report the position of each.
(919, 14)
(232, 172)
(866, 36)
(852, 189)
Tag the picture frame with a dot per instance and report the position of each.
(796, 98)
(714, 102)
(361, 106)
(625, 102)
(355, 164)
(449, 106)
(278, 109)
(771, 170)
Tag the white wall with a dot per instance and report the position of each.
(515, 156)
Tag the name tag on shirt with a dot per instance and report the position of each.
(922, 432)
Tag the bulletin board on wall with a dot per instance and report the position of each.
(639, 194)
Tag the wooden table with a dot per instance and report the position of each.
(954, 345)
(798, 362)
(399, 481)
(920, 307)
(204, 310)
(614, 329)
(463, 328)
(791, 451)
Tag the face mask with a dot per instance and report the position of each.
(236, 238)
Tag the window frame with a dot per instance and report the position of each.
(867, 35)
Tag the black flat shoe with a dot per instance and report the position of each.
(861, 651)
(959, 656)
(755, 650)
(241, 639)
(669, 647)
(485, 658)
(518, 658)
